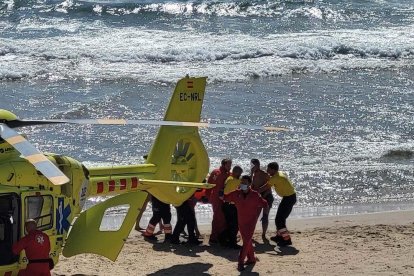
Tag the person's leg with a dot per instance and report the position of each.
(179, 226)
(40, 269)
(155, 219)
(218, 224)
(242, 255)
(247, 242)
(283, 212)
(265, 218)
(166, 218)
(197, 232)
(233, 226)
(225, 234)
(191, 222)
(251, 258)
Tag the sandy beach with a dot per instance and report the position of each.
(365, 244)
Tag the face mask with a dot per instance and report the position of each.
(244, 187)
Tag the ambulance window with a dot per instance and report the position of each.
(114, 218)
(1, 231)
(40, 208)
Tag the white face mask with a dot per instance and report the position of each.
(244, 187)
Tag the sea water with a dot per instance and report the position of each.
(338, 74)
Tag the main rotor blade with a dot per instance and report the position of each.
(20, 123)
(34, 156)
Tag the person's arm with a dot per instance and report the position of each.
(19, 246)
(266, 186)
(263, 203)
(226, 186)
(212, 180)
(221, 191)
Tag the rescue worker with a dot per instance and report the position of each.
(160, 210)
(285, 189)
(259, 184)
(229, 235)
(186, 216)
(216, 196)
(36, 245)
(249, 204)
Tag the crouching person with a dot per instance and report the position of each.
(249, 204)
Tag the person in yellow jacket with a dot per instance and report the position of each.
(229, 236)
(284, 189)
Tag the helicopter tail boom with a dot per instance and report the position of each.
(178, 150)
(118, 184)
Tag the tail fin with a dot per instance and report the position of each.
(178, 152)
(187, 100)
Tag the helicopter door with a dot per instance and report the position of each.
(9, 227)
(104, 228)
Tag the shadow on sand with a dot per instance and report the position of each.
(194, 250)
(198, 268)
(193, 269)
(287, 250)
(271, 249)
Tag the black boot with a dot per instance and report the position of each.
(168, 237)
(276, 238)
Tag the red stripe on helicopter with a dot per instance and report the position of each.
(123, 184)
(111, 185)
(99, 187)
(190, 84)
(134, 183)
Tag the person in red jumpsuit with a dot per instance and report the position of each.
(216, 196)
(249, 204)
(36, 244)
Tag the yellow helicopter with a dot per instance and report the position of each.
(52, 189)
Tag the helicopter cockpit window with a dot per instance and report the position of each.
(40, 208)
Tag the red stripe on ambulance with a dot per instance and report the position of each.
(134, 184)
(111, 185)
(123, 184)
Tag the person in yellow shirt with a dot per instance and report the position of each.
(284, 188)
(229, 236)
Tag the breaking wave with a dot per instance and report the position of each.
(158, 41)
(149, 55)
(309, 9)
